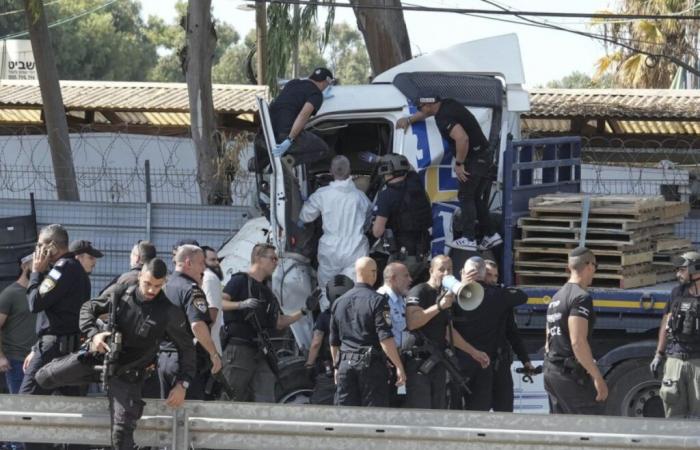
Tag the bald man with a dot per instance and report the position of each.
(361, 339)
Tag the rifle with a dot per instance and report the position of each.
(265, 344)
(109, 363)
(446, 357)
(219, 377)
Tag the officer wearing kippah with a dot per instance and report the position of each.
(679, 341)
(360, 336)
(571, 376)
(290, 111)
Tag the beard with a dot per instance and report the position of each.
(217, 271)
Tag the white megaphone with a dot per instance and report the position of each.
(469, 296)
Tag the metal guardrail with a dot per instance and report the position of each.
(221, 425)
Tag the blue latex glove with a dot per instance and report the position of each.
(369, 157)
(282, 148)
(327, 92)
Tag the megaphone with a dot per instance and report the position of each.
(469, 296)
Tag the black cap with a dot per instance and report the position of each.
(426, 99)
(321, 74)
(80, 247)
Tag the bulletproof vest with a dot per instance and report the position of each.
(684, 322)
(415, 214)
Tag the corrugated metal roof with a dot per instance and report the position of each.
(615, 103)
(130, 96)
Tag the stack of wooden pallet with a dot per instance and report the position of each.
(624, 232)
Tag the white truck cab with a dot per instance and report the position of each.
(485, 75)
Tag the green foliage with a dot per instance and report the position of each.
(580, 80)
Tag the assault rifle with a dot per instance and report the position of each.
(265, 344)
(109, 364)
(446, 357)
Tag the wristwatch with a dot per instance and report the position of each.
(459, 163)
(185, 384)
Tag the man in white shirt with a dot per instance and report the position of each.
(212, 287)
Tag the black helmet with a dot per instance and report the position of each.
(338, 286)
(691, 260)
(393, 165)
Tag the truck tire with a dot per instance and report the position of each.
(294, 385)
(633, 391)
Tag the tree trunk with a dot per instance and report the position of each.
(201, 41)
(385, 33)
(54, 112)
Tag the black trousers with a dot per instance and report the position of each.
(480, 382)
(168, 368)
(324, 390)
(502, 392)
(474, 205)
(425, 391)
(570, 392)
(126, 408)
(363, 386)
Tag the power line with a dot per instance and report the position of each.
(63, 21)
(494, 12)
(16, 11)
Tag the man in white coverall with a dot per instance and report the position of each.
(344, 210)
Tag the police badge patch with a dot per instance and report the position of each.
(46, 286)
(200, 302)
(387, 316)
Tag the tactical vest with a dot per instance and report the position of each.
(684, 321)
(415, 213)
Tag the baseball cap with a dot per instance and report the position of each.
(321, 74)
(79, 247)
(426, 99)
(686, 259)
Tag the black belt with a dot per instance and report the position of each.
(356, 356)
(416, 355)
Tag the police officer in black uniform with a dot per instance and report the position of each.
(291, 109)
(404, 208)
(251, 314)
(319, 362)
(473, 166)
(428, 319)
(679, 340)
(184, 291)
(482, 328)
(509, 342)
(58, 293)
(360, 334)
(144, 317)
(571, 376)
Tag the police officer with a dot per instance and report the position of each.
(482, 327)
(251, 313)
(86, 254)
(184, 291)
(141, 253)
(473, 165)
(58, 293)
(319, 361)
(572, 379)
(509, 342)
(296, 103)
(144, 318)
(427, 316)
(679, 340)
(404, 207)
(360, 331)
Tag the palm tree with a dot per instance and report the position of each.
(654, 42)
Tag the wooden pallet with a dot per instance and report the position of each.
(609, 269)
(600, 206)
(619, 247)
(602, 256)
(606, 224)
(593, 235)
(673, 244)
(528, 278)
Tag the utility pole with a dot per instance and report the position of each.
(261, 40)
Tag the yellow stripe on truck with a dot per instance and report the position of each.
(627, 304)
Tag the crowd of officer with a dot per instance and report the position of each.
(412, 342)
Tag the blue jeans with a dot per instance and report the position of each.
(13, 377)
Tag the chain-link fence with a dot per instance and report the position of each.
(112, 167)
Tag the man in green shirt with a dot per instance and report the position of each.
(17, 327)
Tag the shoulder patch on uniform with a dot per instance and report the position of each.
(387, 316)
(199, 300)
(46, 286)
(54, 274)
(60, 262)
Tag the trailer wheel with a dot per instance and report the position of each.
(294, 385)
(633, 391)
